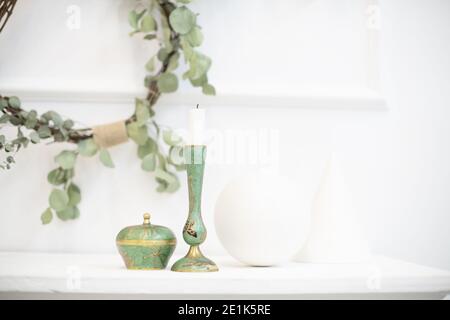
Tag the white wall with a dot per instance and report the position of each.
(396, 160)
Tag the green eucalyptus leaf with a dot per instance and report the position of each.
(58, 200)
(15, 121)
(195, 37)
(162, 164)
(150, 65)
(209, 89)
(32, 114)
(171, 181)
(173, 62)
(171, 138)
(134, 17)
(149, 147)
(69, 174)
(68, 213)
(21, 142)
(173, 186)
(47, 116)
(176, 157)
(106, 159)
(187, 49)
(168, 82)
(56, 118)
(14, 102)
(200, 81)
(4, 118)
(43, 120)
(87, 147)
(74, 194)
(76, 213)
(137, 133)
(199, 64)
(47, 216)
(142, 111)
(182, 20)
(66, 159)
(56, 177)
(68, 124)
(162, 185)
(3, 103)
(150, 37)
(44, 132)
(180, 167)
(162, 54)
(31, 119)
(148, 24)
(164, 175)
(59, 137)
(149, 163)
(141, 14)
(30, 123)
(34, 137)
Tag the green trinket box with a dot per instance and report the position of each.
(146, 246)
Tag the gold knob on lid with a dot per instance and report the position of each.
(146, 218)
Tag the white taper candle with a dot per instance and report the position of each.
(196, 126)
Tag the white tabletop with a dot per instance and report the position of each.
(106, 274)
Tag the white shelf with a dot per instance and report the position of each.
(105, 274)
(354, 98)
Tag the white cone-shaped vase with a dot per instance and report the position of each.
(335, 235)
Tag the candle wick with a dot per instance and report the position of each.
(197, 105)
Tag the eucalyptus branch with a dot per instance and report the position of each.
(174, 26)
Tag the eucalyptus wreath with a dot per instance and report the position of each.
(174, 27)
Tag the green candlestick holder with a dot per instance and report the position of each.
(194, 231)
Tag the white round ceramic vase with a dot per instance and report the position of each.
(262, 219)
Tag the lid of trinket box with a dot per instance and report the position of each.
(143, 233)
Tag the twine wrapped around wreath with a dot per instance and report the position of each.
(6, 9)
(111, 134)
